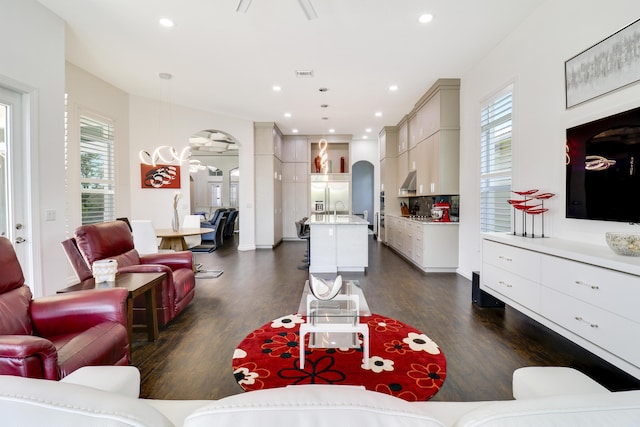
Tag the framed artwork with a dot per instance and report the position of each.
(160, 176)
(604, 67)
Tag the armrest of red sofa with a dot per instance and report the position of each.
(77, 311)
(28, 356)
(174, 260)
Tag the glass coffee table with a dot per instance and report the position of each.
(335, 323)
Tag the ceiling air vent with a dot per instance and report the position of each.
(304, 73)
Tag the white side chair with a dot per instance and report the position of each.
(192, 221)
(144, 237)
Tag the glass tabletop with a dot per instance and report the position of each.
(350, 301)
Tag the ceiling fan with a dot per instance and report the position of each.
(307, 8)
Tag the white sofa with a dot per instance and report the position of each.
(108, 396)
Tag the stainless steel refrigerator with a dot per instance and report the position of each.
(330, 196)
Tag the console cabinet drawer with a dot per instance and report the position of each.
(610, 290)
(520, 290)
(518, 261)
(608, 331)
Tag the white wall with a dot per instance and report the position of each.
(33, 63)
(533, 58)
(146, 134)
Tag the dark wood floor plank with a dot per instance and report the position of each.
(192, 358)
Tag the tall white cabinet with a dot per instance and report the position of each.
(268, 173)
(295, 183)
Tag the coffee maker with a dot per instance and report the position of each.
(440, 212)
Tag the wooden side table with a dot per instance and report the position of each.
(136, 284)
(175, 239)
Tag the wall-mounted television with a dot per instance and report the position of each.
(603, 156)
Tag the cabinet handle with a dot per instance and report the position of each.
(504, 258)
(505, 284)
(580, 319)
(580, 282)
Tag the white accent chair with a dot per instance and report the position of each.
(144, 237)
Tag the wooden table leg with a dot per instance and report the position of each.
(152, 314)
(176, 243)
(130, 317)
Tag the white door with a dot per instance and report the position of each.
(14, 194)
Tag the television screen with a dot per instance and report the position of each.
(602, 169)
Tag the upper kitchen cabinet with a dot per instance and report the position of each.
(436, 110)
(403, 136)
(432, 162)
(295, 149)
(388, 142)
(337, 153)
(268, 139)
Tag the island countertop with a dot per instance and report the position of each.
(326, 219)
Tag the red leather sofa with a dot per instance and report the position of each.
(50, 337)
(114, 240)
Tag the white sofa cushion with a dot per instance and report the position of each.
(620, 409)
(123, 380)
(312, 406)
(542, 381)
(27, 402)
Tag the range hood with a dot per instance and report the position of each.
(409, 183)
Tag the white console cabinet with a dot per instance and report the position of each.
(584, 292)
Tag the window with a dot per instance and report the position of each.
(97, 170)
(495, 162)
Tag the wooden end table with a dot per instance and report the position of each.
(175, 239)
(136, 284)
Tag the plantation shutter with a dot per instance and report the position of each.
(495, 162)
(97, 170)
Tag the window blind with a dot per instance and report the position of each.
(495, 162)
(97, 170)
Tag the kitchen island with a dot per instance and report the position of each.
(338, 243)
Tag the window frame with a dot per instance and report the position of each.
(496, 160)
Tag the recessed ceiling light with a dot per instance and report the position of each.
(393, 88)
(294, 130)
(332, 131)
(287, 114)
(427, 17)
(166, 22)
(368, 130)
(276, 88)
(378, 114)
(364, 137)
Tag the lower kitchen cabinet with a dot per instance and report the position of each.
(432, 246)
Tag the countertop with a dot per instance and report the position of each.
(325, 219)
(423, 220)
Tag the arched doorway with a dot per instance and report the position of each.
(362, 189)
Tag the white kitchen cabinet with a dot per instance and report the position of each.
(295, 206)
(295, 149)
(268, 171)
(432, 246)
(583, 292)
(403, 137)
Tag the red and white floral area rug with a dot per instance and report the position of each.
(403, 362)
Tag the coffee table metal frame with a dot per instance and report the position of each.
(339, 315)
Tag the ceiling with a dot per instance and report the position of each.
(227, 62)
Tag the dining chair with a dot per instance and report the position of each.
(194, 243)
(144, 237)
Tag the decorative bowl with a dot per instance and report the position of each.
(325, 289)
(627, 244)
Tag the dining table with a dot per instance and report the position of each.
(174, 240)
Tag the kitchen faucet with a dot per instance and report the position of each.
(335, 208)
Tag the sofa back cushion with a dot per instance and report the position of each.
(35, 402)
(15, 296)
(107, 240)
(619, 409)
(311, 406)
(14, 312)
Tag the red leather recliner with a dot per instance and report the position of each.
(50, 337)
(114, 240)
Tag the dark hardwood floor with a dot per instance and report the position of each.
(192, 357)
